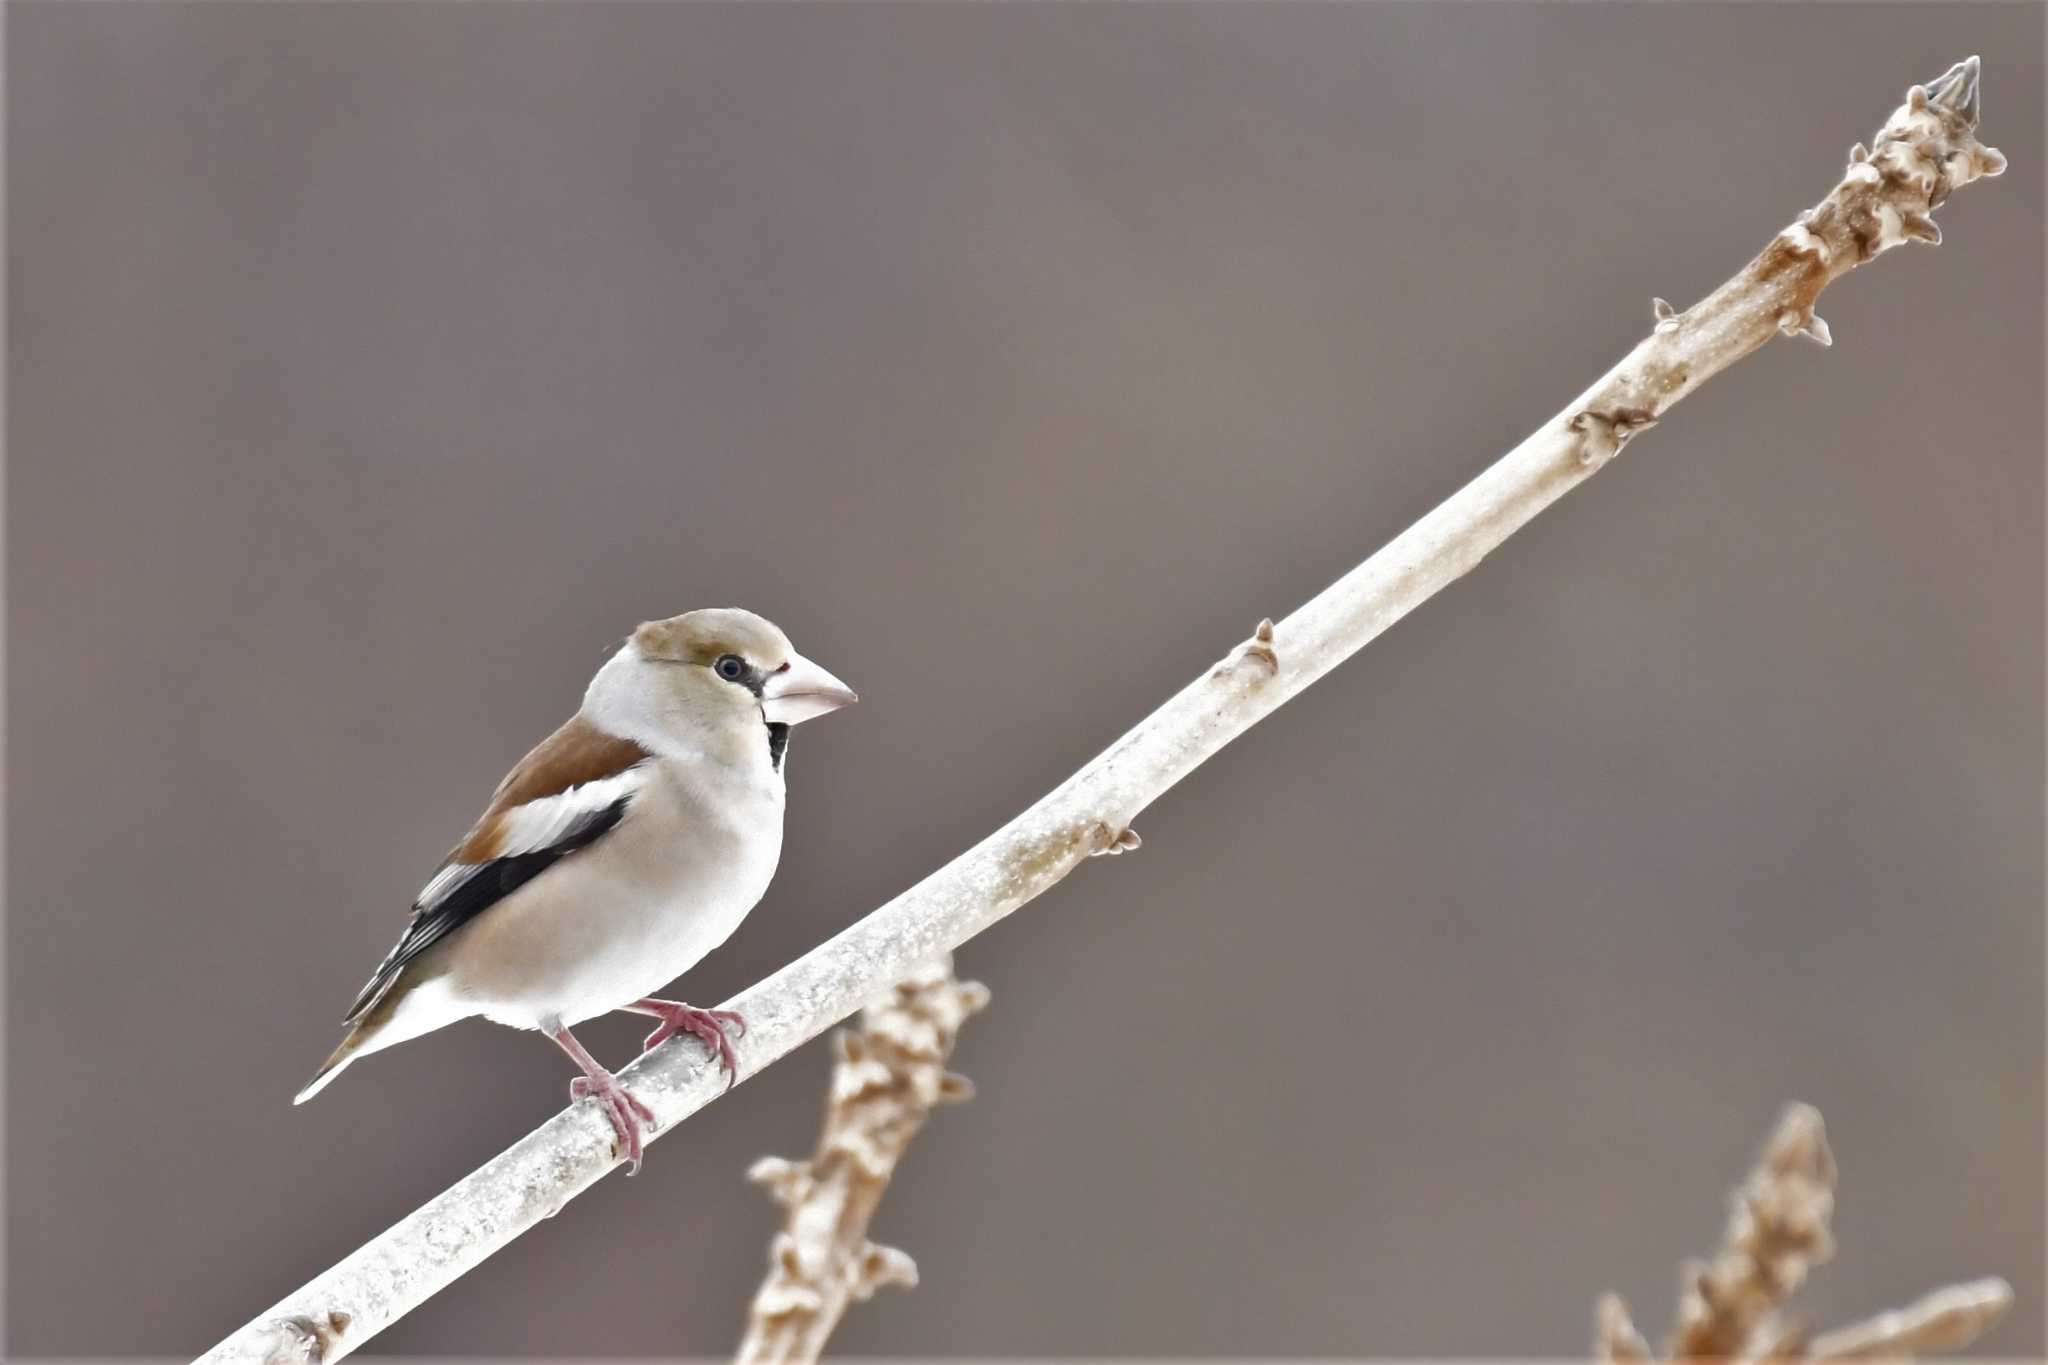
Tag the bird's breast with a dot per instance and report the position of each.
(696, 857)
(623, 918)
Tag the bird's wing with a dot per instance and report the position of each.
(564, 796)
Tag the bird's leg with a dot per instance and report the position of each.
(625, 1112)
(708, 1026)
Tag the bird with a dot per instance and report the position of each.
(612, 858)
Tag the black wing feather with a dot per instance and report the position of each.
(488, 884)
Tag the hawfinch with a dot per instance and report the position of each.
(612, 858)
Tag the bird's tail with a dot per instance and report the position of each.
(351, 1043)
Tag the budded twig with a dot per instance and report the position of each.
(885, 1081)
(1777, 1232)
(1733, 1307)
(1946, 1320)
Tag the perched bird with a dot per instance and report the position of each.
(612, 858)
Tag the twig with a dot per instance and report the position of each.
(884, 1084)
(1923, 152)
(1615, 1337)
(1946, 1320)
(1777, 1231)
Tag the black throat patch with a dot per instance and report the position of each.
(778, 743)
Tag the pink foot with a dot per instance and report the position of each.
(625, 1112)
(707, 1026)
(620, 1107)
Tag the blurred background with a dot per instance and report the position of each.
(374, 369)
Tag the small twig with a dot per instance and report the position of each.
(1733, 1306)
(1946, 1320)
(885, 1082)
(1615, 1337)
(1777, 1231)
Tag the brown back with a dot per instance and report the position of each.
(576, 753)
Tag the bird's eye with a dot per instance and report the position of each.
(731, 667)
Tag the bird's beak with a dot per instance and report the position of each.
(800, 691)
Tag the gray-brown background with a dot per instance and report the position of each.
(374, 369)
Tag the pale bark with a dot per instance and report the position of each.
(1733, 1307)
(1946, 1320)
(1777, 1232)
(885, 1081)
(1925, 150)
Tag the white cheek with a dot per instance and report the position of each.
(630, 698)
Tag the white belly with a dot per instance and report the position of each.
(626, 916)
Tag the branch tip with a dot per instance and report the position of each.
(1957, 90)
(1799, 1146)
(1615, 1338)
(1777, 1231)
(1948, 1319)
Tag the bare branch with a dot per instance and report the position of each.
(1946, 1320)
(1777, 1231)
(1733, 1308)
(884, 1085)
(1924, 151)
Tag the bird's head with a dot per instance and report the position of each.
(719, 671)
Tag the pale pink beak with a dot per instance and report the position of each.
(800, 691)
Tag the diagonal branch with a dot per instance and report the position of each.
(1925, 150)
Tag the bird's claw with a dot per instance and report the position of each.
(621, 1107)
(714, 1028)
